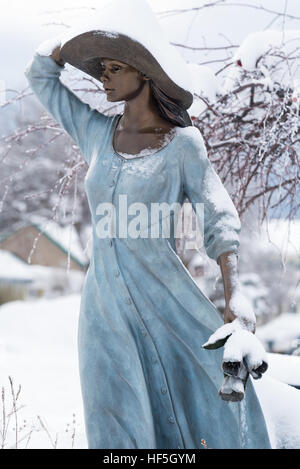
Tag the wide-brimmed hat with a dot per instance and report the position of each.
(128, 31)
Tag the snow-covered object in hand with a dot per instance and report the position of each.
(244, 349)
(243, 354)
(241, 348)
(220, 336)
(235, 381)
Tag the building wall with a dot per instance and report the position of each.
(46, 252)
(12, 292)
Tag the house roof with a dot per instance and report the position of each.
(13, 269)
(59, 235)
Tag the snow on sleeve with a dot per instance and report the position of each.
(75, 116)
(202, 185)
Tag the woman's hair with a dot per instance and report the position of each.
(169, 108)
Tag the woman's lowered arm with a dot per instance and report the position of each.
(221, 224)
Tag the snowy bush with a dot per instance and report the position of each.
(251, 127)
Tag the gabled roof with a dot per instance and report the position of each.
(57, 234)
(13, 269)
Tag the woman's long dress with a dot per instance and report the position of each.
(146, 382)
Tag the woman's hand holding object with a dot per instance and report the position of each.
(51, 47)
(243, 354)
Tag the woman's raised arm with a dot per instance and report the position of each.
(75, 116)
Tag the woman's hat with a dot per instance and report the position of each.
(128, 31)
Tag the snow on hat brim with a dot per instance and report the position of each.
(85, 51)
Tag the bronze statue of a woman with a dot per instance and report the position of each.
(146, 380)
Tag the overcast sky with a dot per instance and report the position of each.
(24, 24)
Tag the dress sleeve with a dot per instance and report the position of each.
(75, 116)
(201, 184)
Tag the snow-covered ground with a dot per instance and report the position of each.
(285, 368)
(281, 407)
(281, 333)
(49, 280)
(38, 350)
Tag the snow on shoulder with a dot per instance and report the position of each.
(193, 134)
(195, 142)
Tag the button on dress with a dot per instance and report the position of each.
(146, 381)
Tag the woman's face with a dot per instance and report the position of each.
(121, 82)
